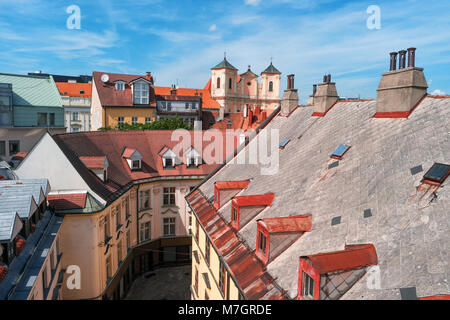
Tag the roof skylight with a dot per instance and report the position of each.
(284, 143)
(340, 151)
(438, 173)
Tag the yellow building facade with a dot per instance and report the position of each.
(130, 115)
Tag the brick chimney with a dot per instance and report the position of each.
(400, 90)
(325, 97)
(173, 91)
(290, 97)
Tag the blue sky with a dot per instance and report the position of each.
(180, 40)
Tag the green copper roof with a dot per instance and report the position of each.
(224, 64)
(271, 69)
(33, 91)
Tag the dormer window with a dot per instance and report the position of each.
(262, 242)
(229, 189)
(133, 158)
(141, 89)
(169, 158)
(98, 165)
(193, 158)
(168, 162)
(136, 165)
(120, 86)
(318, 274)
(245, 208)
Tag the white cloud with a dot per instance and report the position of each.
(213, 27)
(438, 92)
(252, 2)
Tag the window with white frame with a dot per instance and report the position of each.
(145, 231)
(120, 86)
(148, 120)
(141, 90)
(169, 196)
(169, 226)
(136, 164)
(144, 199)
(120, 120)
(75, 116)
(134, 120)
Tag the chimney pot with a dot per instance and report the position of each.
(402, 60)
(290, 85)
(325, 78)
(393, 61)
(329, 78)
(411, 57)
(314, 89)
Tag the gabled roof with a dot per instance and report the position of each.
(131, 154)
(223, 185)
(113, 143)
(271, 69)
(33, 91)
(10, 225)
(224, 65)
(254, 200)
(95, 162)
(110, 97)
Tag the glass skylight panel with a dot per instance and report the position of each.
(284, 143)
(438, 172)
(340, 151)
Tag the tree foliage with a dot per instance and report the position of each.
(163, 124)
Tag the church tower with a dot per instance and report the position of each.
(223, 83)
(270, 83)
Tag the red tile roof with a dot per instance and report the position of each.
(300, 223)
(351, 258)
(244, 266)
(83, 90)
(258, 200)
(441, 297)
(128, 152)
(68, 201)
(110, 97)
(205, 95)
(3, 272)
(221, 185)
(112, 143)
(93, 163)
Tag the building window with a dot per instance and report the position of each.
(148, 120)
(145, 231)
(169, 226)
(2, 148)
(135, 164)
(52, 260)
(134, 120)
(128, 240)
(234, 216)
(196, 282)
(222, 277)
(75, 116)
(169, 106)
(52, 119)
(120, 86)
(108, 268)
(262, 243)
(75, 129)
(42, 119)
(194, 106)
(218, 83)
(119, 252)
(169, 196)
(208, 251)
(144, 199)
(120, 120)
(230, 84)
(118, 218)
(107, 229)
(197, 230)
(307, 286)
(45, 277)
(187, 105)
(14, 147)
(126, 204)
(141, 93)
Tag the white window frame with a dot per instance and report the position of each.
(120, 86)
(138, 167)
(171, 224)
(141, 91)
(145, 232)
(145, 196)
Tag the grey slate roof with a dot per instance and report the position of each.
(38, 188)
(224, 64)
(271, 69)
(7, 223)
(409, 229)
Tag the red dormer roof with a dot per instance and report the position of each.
(93, 163)
(68, 201)
(258, 200)
(301, 223)
(223, 185)
(128, 152)
(352, 257)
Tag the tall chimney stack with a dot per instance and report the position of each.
(325, 96)
(393, 61)
(314, 89)
(411, 57)
(290, 98)
(400, 90)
